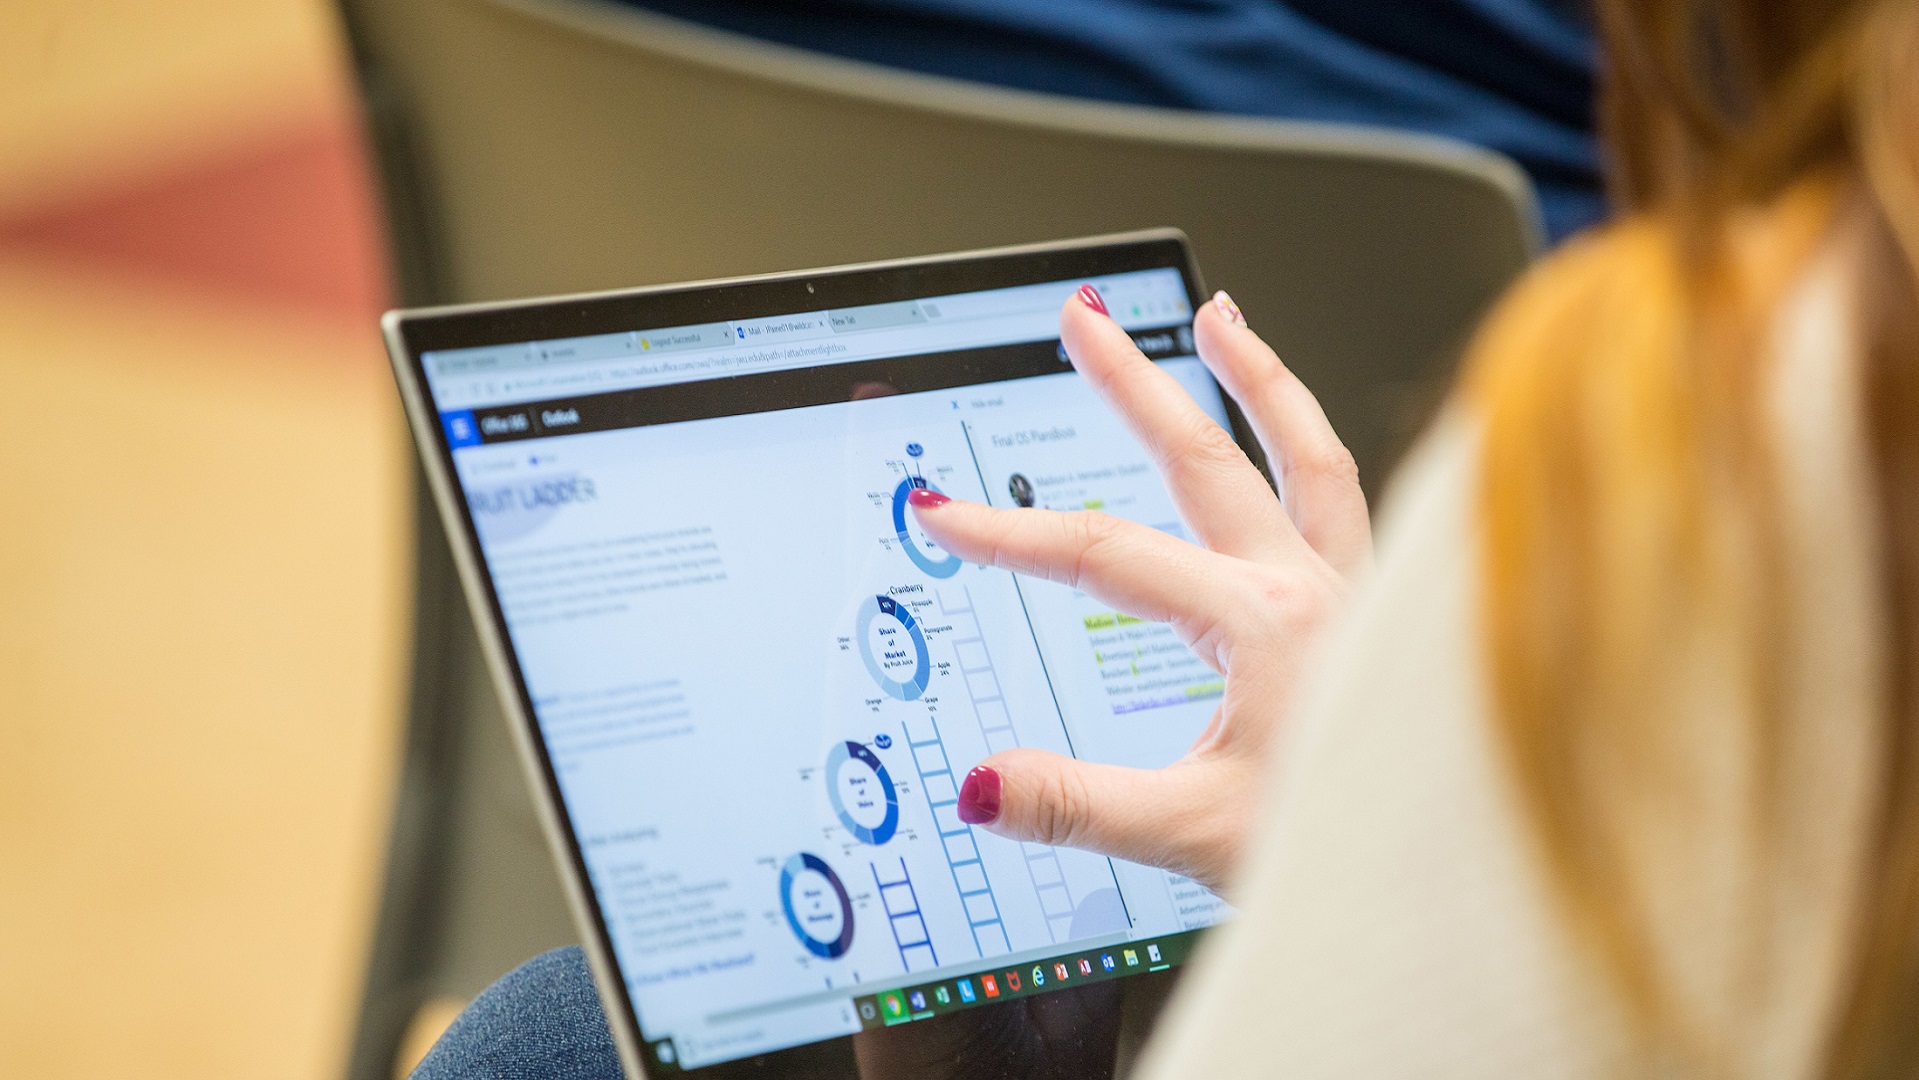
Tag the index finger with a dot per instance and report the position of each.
(1138, 570)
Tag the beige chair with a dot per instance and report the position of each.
(539, 146)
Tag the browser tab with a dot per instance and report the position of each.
(704, 336)
(779, 328)
(592, 347)
(876, 316)
(479, 361)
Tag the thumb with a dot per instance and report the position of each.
(1159, 817)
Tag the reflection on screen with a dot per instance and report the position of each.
(760, 684)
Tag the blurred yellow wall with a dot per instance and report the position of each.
(202, 569)
(97, 93)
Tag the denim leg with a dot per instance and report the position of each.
(542, 1021)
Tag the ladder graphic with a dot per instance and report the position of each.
(996, 723)
(902, 904)
(956, 837)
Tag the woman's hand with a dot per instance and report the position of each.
(1252, 599)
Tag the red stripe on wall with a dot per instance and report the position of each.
(291, 220)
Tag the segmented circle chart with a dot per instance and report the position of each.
(818, 909)
(894, 648)
(920, 548)
(862, 793)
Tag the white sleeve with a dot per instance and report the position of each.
(1393, 919)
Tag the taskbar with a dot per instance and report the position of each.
(990, 986)
(993, 985)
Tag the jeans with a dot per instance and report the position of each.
(542, 1021)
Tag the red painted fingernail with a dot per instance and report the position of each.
(979, 796)
(1091, 298)
(920, 496)
(1229, 309)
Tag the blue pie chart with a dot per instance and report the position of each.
(861, 791)
(817, 907)
(922, 551)
(894, 648)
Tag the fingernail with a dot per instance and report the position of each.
(979, 796)
(1091, 298)
(1229, 309)
(927, 497)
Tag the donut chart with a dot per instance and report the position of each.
(860, 788)
(894, 648)
(818, 911)
(920, 550)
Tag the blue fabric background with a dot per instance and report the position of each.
(1512, 75)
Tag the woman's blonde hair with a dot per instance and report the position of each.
(1627, 491)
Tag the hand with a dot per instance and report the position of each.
(1252, 599)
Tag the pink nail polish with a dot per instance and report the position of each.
(1091, 298)
(1228, 309)
(979, 796)
(926, 497)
